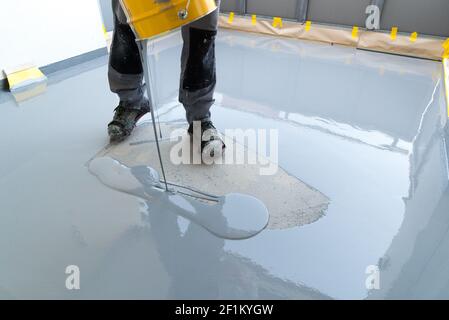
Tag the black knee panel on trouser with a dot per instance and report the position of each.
(125, 57)
(200, 67)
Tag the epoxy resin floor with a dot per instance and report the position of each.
(364, 129)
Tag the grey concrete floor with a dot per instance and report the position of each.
(365, 129)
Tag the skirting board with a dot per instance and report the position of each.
(64, 64)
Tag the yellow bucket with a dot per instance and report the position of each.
(151, 18)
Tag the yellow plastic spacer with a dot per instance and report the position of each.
(446, 49)
(394, 33)
(231, 17)
(355, 32)
(277, 22)
(253, 19)
(414, 36)
(308, 25)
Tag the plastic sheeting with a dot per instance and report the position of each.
(422, 47)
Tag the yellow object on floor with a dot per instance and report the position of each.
(308, 25)
(253, 19)
(446, 49)
(22, 76)
(277, 22)
(394, 33)
(149, 19)
(355, 32)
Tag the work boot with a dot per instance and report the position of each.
(125, 119)
(212, 145)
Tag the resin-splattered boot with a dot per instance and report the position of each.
(125, 119)
(212, 145)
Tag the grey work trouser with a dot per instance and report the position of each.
(198, 76)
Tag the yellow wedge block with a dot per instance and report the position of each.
(253, 19)
(355, 32)
(308, 25)
(23, 76)
(277, 22)
(414, 36)
(446, 49)
(394, 33)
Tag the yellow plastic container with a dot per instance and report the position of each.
(151, 18)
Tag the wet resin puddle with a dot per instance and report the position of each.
(233, 216)
(301, 205)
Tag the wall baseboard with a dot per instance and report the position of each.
(64, 64)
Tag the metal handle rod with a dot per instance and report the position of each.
(143, 48)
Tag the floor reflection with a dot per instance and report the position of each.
(185, 264)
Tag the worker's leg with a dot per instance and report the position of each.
(125, 68)
(198, 77)
(125, 77)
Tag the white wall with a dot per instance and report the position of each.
(48, 31)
